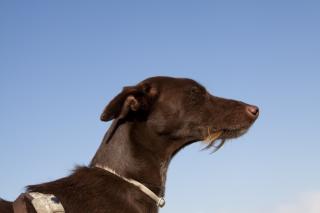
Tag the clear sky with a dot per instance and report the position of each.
(62, 61)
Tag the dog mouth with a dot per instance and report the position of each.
(217, 138)
(234, 133)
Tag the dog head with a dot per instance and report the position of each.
(180, 111)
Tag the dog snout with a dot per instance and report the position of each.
(253, 111)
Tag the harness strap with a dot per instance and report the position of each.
(42, 203)
(46, 203)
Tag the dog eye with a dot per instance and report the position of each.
(196, 90)
(196, 95)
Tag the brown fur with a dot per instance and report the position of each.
(152, 121)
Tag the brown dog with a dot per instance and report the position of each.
(152, 121)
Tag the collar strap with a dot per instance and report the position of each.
(159, 200)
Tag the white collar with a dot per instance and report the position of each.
(159, 200)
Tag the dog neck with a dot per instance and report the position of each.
(141, 157)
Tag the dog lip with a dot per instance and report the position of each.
(228, 133)
(236, 128)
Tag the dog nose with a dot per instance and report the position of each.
(253, 111)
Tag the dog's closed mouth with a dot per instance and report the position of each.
(217, 138)
(233, 133)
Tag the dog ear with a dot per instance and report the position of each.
(130, 99)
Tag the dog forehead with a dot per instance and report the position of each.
(170, 83)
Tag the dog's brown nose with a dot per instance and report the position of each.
(253, 111)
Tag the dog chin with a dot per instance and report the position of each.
(234, 133)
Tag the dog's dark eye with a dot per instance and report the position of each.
(196, 95)
(196, 90)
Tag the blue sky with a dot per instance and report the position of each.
(62, 61)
